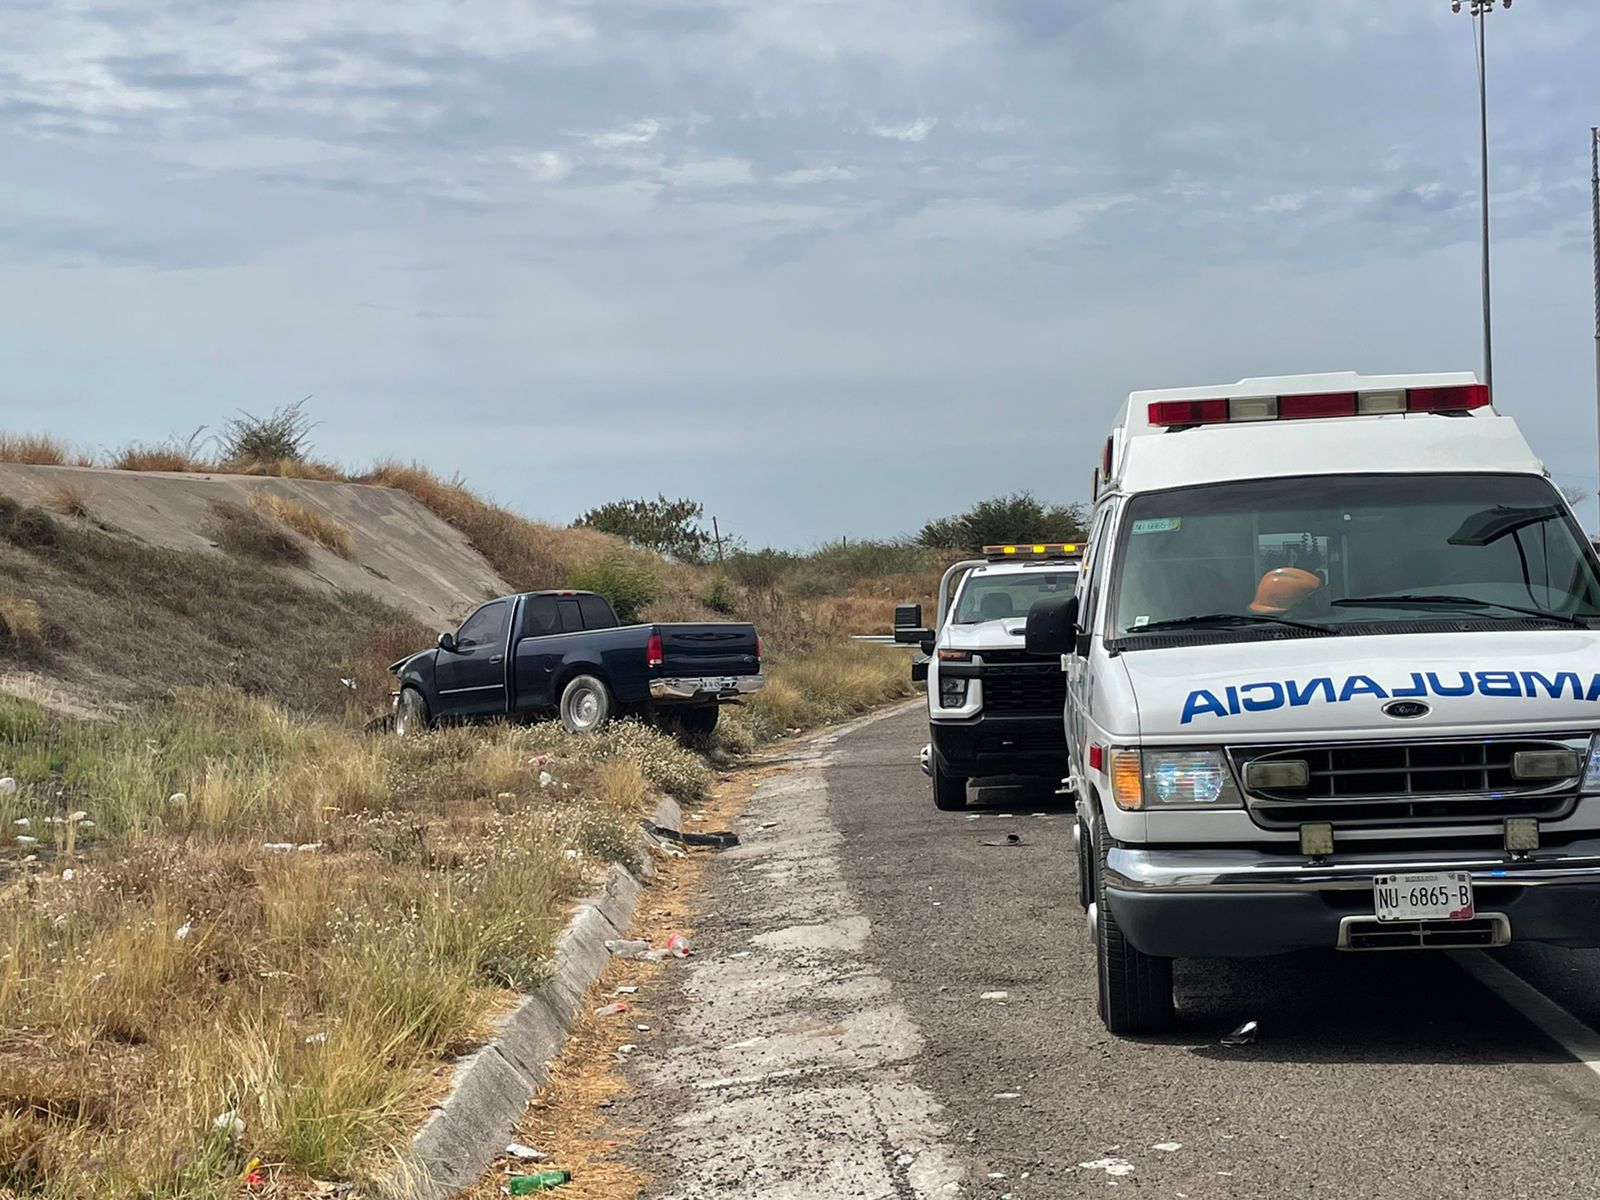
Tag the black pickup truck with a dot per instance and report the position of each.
(564, 652)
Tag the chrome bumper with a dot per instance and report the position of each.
(1136, 869)
(692, 688)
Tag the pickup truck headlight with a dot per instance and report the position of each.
(952, 692)
(1151, 780)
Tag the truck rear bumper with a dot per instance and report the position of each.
(706, 688)
(1242, 903)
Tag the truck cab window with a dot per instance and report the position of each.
(484, 627)
(571, 616)
(596, 613)
(540, 616)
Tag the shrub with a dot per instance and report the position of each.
(247, 534)
(281, 435)
(666, 526)
(761, 569)
(813, 585)
(628, 584)
(1019, 517)
(29, 528)
(719, 595)
(307, 522)
(867, 559)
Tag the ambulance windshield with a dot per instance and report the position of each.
(1342, 551)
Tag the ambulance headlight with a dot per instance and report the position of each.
(1591, 770)
(1186, 779)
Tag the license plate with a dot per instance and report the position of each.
(718, 686)
(1427, 896)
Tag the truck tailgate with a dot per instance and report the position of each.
(724, 648)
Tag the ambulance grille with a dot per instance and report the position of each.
(1454, 782)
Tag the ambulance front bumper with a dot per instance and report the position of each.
(1226, 903)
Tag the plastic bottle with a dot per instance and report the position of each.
(522, 1185)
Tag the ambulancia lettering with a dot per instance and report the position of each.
(1266, 695)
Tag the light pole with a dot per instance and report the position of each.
(1478, 9)
(1594, 193)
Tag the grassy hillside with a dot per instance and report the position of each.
(116, 622)
(239, 931)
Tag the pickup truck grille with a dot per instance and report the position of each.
(1457, 782)
(1016, 682)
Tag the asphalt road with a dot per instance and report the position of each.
(833, 1040)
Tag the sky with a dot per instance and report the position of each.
(831, 267)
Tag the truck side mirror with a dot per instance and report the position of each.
(447, 642)
(1052, 628)
(919, 671)
(908, 627)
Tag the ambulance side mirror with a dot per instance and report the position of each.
(1052, 627)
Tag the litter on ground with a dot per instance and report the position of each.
(1241, 1036)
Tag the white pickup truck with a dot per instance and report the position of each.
(994, 710)
(1333, 675)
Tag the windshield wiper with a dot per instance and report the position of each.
(1225, 619)
(1407, 601)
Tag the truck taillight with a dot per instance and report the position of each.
(653, 656)
(758, 647)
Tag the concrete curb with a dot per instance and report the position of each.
(491, 1088)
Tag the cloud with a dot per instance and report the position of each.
(709, 173)
(634, 133)
(911, 131)
(557, 218)
(808, 175)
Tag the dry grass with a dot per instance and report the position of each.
(159, 456)
(245, 533)
(38, 449)
(21, 627)
(69, 500)
(287, 468)
(185, 969)
(527, 554)
(307, 522)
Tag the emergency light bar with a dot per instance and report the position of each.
(1453, 399)
(1050, 550)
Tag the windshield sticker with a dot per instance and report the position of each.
(1269, 695)
(1158, 525)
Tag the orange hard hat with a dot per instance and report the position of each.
(1281, 589)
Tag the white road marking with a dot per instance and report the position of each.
(1571, 1034)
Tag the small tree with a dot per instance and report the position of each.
(669, 527)
(1020, 517)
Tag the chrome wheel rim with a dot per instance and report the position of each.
(585, 709)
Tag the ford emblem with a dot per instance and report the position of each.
(1406, 710)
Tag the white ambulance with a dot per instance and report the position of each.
(1333, 675)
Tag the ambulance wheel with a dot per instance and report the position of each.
(949, 791)
(1135, 988)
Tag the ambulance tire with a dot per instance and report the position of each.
(949, 791)
(1135, 988)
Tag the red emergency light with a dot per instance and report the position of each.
(1245, 409)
